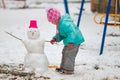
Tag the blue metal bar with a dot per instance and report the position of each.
(105, 26)
(80, 13)
(66, 6)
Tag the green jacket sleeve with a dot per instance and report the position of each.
(58, 37)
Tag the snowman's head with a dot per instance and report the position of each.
(33, 33)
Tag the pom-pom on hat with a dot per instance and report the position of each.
(53, 15)
(33, 24)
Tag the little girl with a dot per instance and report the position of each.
(72, 37)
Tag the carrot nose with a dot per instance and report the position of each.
(32, 33)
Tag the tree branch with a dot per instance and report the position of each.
(13, 36)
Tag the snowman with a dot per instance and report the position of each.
(35, 59)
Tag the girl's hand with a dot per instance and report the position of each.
(70, 45)
(53, 41)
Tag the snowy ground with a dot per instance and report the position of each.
(89, 64)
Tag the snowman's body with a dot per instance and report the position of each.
(34, 46)
(35, 60)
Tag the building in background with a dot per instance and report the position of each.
(100, 6)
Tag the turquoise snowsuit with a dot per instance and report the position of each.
(68, 31)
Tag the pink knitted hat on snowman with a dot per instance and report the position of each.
(33, 24)
(53, 15)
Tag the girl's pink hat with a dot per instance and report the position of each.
(53, 15)
(33, 24)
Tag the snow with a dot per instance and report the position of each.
(89, 64)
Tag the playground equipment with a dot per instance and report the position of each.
(105, 27)
(80, 13)
(106, 16)
(114, 23)
(116, 17)
(4, 3)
